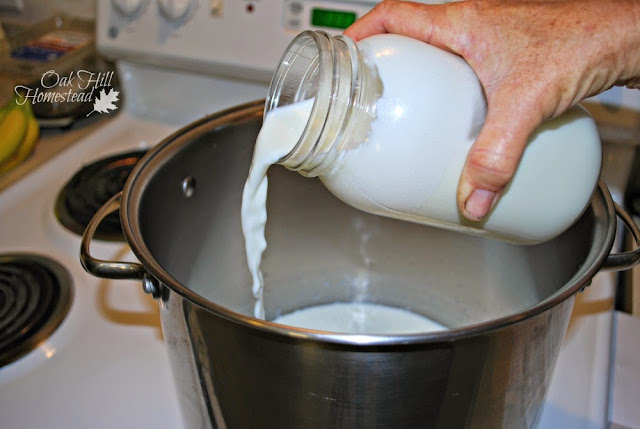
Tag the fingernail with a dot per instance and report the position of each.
(479, 203)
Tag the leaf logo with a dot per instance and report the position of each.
(104, 102)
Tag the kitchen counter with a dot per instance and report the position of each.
(51, 143)
(625, 385)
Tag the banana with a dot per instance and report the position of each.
(27, 146)
(3, 112)
(13, 128)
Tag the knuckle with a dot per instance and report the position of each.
(491, 168)
(385, 5)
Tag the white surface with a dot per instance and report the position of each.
(106, 366)
(108, 353)
(359, 318)
(578, 394)
(578, 397)
(625, 396)
(239, 41)
(112, 356)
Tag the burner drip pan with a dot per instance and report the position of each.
(91, 187)
(35, 296)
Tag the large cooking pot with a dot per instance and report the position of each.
(507, 305)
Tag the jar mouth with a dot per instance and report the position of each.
(298, 73)
(344, 87)
(304, 71)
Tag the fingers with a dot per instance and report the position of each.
(410, 19)
(494, 157)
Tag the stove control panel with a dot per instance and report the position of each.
(129, 8)
(230, 38)
(177, 11)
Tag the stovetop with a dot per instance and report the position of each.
(105, 366)
(107, 355)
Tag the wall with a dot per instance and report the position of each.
(36, 10)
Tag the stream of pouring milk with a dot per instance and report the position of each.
(280, 132)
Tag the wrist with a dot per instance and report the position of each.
(629, 50)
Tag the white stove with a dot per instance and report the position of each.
(105, 366)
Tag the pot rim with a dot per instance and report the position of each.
(140, 175)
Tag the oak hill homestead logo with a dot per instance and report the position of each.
(80, 86)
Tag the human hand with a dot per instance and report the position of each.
(534, 59)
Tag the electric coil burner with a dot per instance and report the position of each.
(35, 296)
(89, 189)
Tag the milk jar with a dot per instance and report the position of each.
(386, 124)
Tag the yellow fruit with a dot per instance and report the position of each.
(25, 149)
(12, 131)
(10, 105)
(3, 112)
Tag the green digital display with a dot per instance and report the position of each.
(332, 18)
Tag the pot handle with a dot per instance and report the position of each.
(101, 268)
(624, 260)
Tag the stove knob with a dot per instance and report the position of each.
(176, 10)
(129, 8)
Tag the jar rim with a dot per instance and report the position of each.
(312, 49)
(344, 85)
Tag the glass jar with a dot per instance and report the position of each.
(345, 86)
(392, 121)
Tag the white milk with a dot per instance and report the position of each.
(359, 318)
(408, 166)
(431, 109)
(279, 134)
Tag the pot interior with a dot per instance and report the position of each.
(320, 250)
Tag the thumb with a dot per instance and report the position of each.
(494, 157)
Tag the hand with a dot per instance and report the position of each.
(534, 59)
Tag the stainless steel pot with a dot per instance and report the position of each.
(507, 306)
